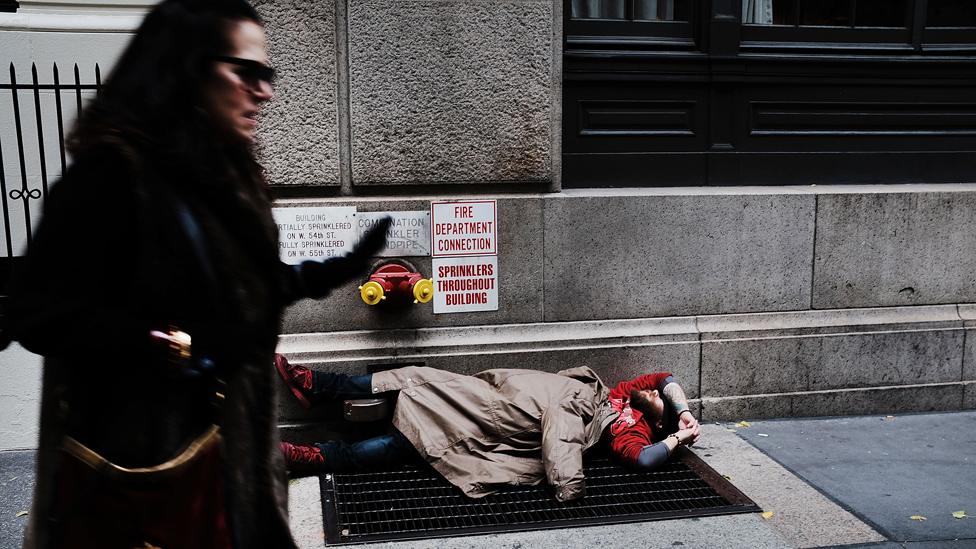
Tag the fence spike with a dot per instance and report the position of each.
(60, 113)
(40, 129)
(24, 190)
(78, 89)
(6, 208)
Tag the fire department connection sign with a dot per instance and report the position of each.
(464, 250)
(463, 228)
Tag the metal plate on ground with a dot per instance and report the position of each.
(417, 503)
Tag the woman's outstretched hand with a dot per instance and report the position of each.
(318, 278)
(373, 241)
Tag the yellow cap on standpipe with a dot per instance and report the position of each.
(371, 293)
(423, 290)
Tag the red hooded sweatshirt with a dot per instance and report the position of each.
(629, 433)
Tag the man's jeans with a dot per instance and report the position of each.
(374, 454)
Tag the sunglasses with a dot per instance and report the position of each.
(252, 72)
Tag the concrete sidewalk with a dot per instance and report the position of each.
(886, 470)
(828, 482)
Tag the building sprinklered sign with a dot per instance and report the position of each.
(314, 233)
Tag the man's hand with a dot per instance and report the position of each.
(686, 420)
(689, 436)
(676, 396)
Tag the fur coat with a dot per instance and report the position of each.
(109, 262)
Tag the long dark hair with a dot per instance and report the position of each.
(154, 97)
(152, 110)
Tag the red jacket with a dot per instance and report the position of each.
(629, 433)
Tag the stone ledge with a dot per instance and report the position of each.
(643, 191)
(406, 344)
(73, 23)
(772, 189)
(761, 380)
(862, 401)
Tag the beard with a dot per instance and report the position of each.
(642, 404)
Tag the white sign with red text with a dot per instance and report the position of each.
(463, 228)
(465, 284)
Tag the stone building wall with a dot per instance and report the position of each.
(765, 301)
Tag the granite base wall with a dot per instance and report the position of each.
(808, 363)
(738, 291)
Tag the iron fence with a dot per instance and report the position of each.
(24, 175)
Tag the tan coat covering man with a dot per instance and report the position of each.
(487, 430)
(497, 427)
(481, 432)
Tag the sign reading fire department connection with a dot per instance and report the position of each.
(463, 228)
(464, 250)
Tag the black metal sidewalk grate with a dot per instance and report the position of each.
(415, 503)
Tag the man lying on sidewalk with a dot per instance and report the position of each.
(498, 427)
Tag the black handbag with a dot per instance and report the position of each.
(178, 504)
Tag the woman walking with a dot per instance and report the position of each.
(155, 293)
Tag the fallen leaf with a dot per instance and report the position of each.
(743, 424)
(22, 513)
(768, 515)
(918, 518)
(960, 514)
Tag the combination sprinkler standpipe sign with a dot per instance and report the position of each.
(409, 234)
(464, 251)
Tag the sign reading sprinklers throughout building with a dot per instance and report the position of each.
(464, 250)
(465, 284)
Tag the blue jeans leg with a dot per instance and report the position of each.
(374, 454)
(330, 386)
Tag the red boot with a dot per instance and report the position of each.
(303, 461)
(297, 378)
